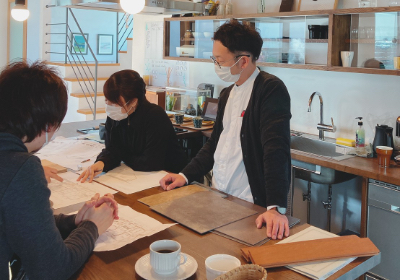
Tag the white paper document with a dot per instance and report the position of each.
(70, 191)
(318, 270)
(130, 227)
(128, 181)
(71, 152)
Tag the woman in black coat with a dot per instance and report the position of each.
(138, 132)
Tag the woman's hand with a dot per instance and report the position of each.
(50, 172)
(101, 216)
(97, 201)
(91, 172)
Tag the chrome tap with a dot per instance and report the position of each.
(321, 126)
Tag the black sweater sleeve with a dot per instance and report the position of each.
(65, 224)
(275, 140)
(31, 231)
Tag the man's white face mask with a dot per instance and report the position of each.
(224, 72)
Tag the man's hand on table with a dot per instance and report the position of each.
(96, 202)
(171, 181)
(277, 224)
(91, 172)
(50, 172)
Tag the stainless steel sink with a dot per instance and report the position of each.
(315, 173)
(314, 146)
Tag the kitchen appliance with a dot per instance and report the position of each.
(151, 7)
(383, 137)
(383, 227)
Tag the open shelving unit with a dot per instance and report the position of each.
(287, 33)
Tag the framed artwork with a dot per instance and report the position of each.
(78, 43)
(104, 44)
(309, 5)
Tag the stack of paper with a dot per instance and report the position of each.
(70, 153)
(131, 226)
(71, 192)
(128, 181)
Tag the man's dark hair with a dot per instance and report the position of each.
(239, 37)
(32, 98)
(125, 83)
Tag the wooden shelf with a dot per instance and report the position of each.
(291, 14)
(368, 41)
(340, 24)
(288, 40)
(89, 112)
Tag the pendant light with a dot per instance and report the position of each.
(132, 6)
(20, 12)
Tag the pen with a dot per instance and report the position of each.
(86, 160)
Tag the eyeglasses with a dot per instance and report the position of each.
(219, 64)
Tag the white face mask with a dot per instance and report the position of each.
(115, 112)
(224, 72)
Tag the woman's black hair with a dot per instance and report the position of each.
(125, 83)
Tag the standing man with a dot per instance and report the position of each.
(249, 149)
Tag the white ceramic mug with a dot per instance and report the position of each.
(166, 256)
(347, 58)
(220, 264)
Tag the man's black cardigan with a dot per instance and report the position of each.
(265, 141)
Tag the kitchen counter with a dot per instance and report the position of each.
(364, 167)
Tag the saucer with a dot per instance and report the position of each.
(144, 269)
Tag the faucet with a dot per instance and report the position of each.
(321, 126)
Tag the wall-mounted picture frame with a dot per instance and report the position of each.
(105, 44)
(310, 5)
(78, 43)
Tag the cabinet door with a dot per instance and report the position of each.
(372, 39)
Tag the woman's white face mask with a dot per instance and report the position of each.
(115, 112)
(224, 72)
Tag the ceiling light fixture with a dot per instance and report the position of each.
(132, 6)
(20, 12)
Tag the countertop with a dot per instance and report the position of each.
(365, 167)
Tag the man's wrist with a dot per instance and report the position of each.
(280, 210)
(183, 175)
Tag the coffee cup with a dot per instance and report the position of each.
(166, 256)
(102, 130)
(179, 118)
(347, 58)
(219, 264)
(197, 122)
(384, 154)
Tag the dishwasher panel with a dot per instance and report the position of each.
(383, 227)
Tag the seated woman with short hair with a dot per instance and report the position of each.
(138, 132)
(37, 244)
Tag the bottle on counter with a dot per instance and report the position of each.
(360, 137)
(228, 8)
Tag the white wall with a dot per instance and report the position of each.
(91, 23)
(35, 30)
(3, 32)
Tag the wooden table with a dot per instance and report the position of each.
(120, 264)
